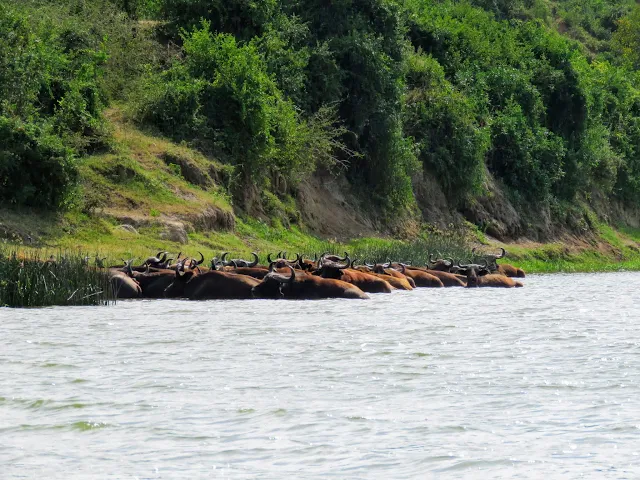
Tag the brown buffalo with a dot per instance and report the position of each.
(124, 286)
(302, 286)
(510, 270)
(393, 277)
(423, 279)
(489, 280)
(364, 281)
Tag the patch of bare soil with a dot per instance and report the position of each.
(329, 208)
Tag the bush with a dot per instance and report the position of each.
(442, 122)
(221, 96)
(528, 158)
(242, 18)
(51, 103)
(35, 168)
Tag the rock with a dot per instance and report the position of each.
(128, 228)
(175, 233)
(213, 219)
(189, 170)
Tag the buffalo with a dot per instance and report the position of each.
(503, 268)
(239, 262)
(364, 281)
(488, 280)
(123, 285)
(209, 285)
(302, 286)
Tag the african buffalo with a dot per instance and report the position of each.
(364, 281)
(209, 285)
(239, 262)
(489, 280)
(503, 268)
(124, 286)
(302, 286)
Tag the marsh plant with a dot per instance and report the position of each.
(450, 243)
(38, 279)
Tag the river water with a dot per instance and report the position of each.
(448, 383)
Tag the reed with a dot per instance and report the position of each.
(35, 278)
(416, 252)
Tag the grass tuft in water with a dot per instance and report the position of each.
(37, 279)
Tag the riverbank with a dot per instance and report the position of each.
(148, 194)
(70, 270)
(611, 250)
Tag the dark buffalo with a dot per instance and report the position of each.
(306, 264)
(503, 268)
(440, 264)
(239, 262)
(154, 283)
(210, 285)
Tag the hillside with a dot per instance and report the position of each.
(251, 125)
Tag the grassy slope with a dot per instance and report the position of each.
(134, 184)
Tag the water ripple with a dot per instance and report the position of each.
(537, 382)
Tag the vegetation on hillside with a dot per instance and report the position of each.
(543, 95)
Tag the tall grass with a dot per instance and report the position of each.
(37, 279)
(441, 245)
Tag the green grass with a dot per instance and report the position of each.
(556, 257)
(30, 280)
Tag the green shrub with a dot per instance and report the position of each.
(443, 123)
(242, 18)
(529, 159)
(35, 168)
(221, 96)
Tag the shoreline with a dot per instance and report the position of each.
(545, 258)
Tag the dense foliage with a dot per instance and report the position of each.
(53, 88)
(543, 95)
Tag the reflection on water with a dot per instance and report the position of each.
(449, 383)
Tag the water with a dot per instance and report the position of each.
(453, 383)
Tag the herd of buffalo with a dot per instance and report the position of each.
(329, 276)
